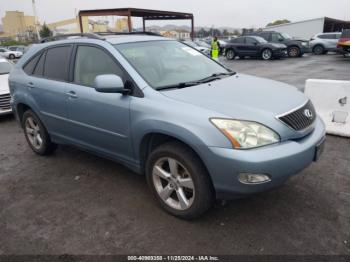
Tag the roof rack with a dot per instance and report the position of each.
(65, 36)
(129, 33)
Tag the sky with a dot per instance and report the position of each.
(231, 13)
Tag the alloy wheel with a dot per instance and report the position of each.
(267, 54)
(32, 130)
(293, 52)
(230, 54)
(173, 183)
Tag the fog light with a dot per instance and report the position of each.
(247, 178)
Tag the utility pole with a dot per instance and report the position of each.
(35, 20)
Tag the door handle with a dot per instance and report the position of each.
(30, 85)
(72, 94)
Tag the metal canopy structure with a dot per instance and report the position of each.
(335, 25)
(146, 14)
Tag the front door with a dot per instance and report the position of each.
(98, 121)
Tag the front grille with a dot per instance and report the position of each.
(301, 118)
(5, 102)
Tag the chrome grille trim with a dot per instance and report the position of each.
(296, 119)
(5, 102)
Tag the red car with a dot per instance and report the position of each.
(343, 45)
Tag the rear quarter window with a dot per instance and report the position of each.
(30, 65)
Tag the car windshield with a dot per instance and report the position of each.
(168, 63)
(5, 68)
(260, 39)
(286, 36)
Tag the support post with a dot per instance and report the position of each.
(192, 28)
(129, 22)
(143, 24)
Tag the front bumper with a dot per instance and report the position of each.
(305, 49)
(280, 52)
(279, 162)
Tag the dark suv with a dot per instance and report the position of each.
(254, 46)
(295, 47)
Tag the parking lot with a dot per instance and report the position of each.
(74, 202)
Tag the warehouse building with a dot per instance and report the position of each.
(308, 28)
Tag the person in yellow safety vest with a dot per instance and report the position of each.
(215, 47)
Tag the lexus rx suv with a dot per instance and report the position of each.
(197, 130)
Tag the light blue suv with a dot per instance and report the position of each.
(197, 130)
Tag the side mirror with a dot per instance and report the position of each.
(280, 39)
(110, 84)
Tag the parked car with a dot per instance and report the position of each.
(20, 48)
(204, 50)
(343, 45)
(254, 46)
(202, 43)
(5, 68)
(197, 130)
(10, 54)
(322, 43)
(295, 47)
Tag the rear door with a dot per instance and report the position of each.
(98, 121)
(47, 86)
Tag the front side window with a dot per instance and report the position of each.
(57, 63)
(166, 63)
(92, 61)
(5, 68)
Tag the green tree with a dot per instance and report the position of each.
(278, 22)
(45, 31)
(236, 32)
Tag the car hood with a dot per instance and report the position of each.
(242, 97)
(4, 85)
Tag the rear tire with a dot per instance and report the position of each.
(318, 50)
(36, 134)
(167, 169)
(294, 51)
(230, 54)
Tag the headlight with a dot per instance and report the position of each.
(246, 134)
(304, 43)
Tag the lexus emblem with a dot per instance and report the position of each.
(308, 113)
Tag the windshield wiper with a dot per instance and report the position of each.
(210, 78)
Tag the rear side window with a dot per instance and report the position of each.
(92, 61)
(265, 36)
(250, 41)
(29, 67)
(57, 63)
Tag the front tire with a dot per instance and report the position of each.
(12, 56)
(318, 50)
(294, 51)
(230, 54)
(266, 54)
(36, 134)
(179, 181)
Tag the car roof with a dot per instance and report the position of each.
(120, 39)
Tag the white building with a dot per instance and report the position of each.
(308, 28)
